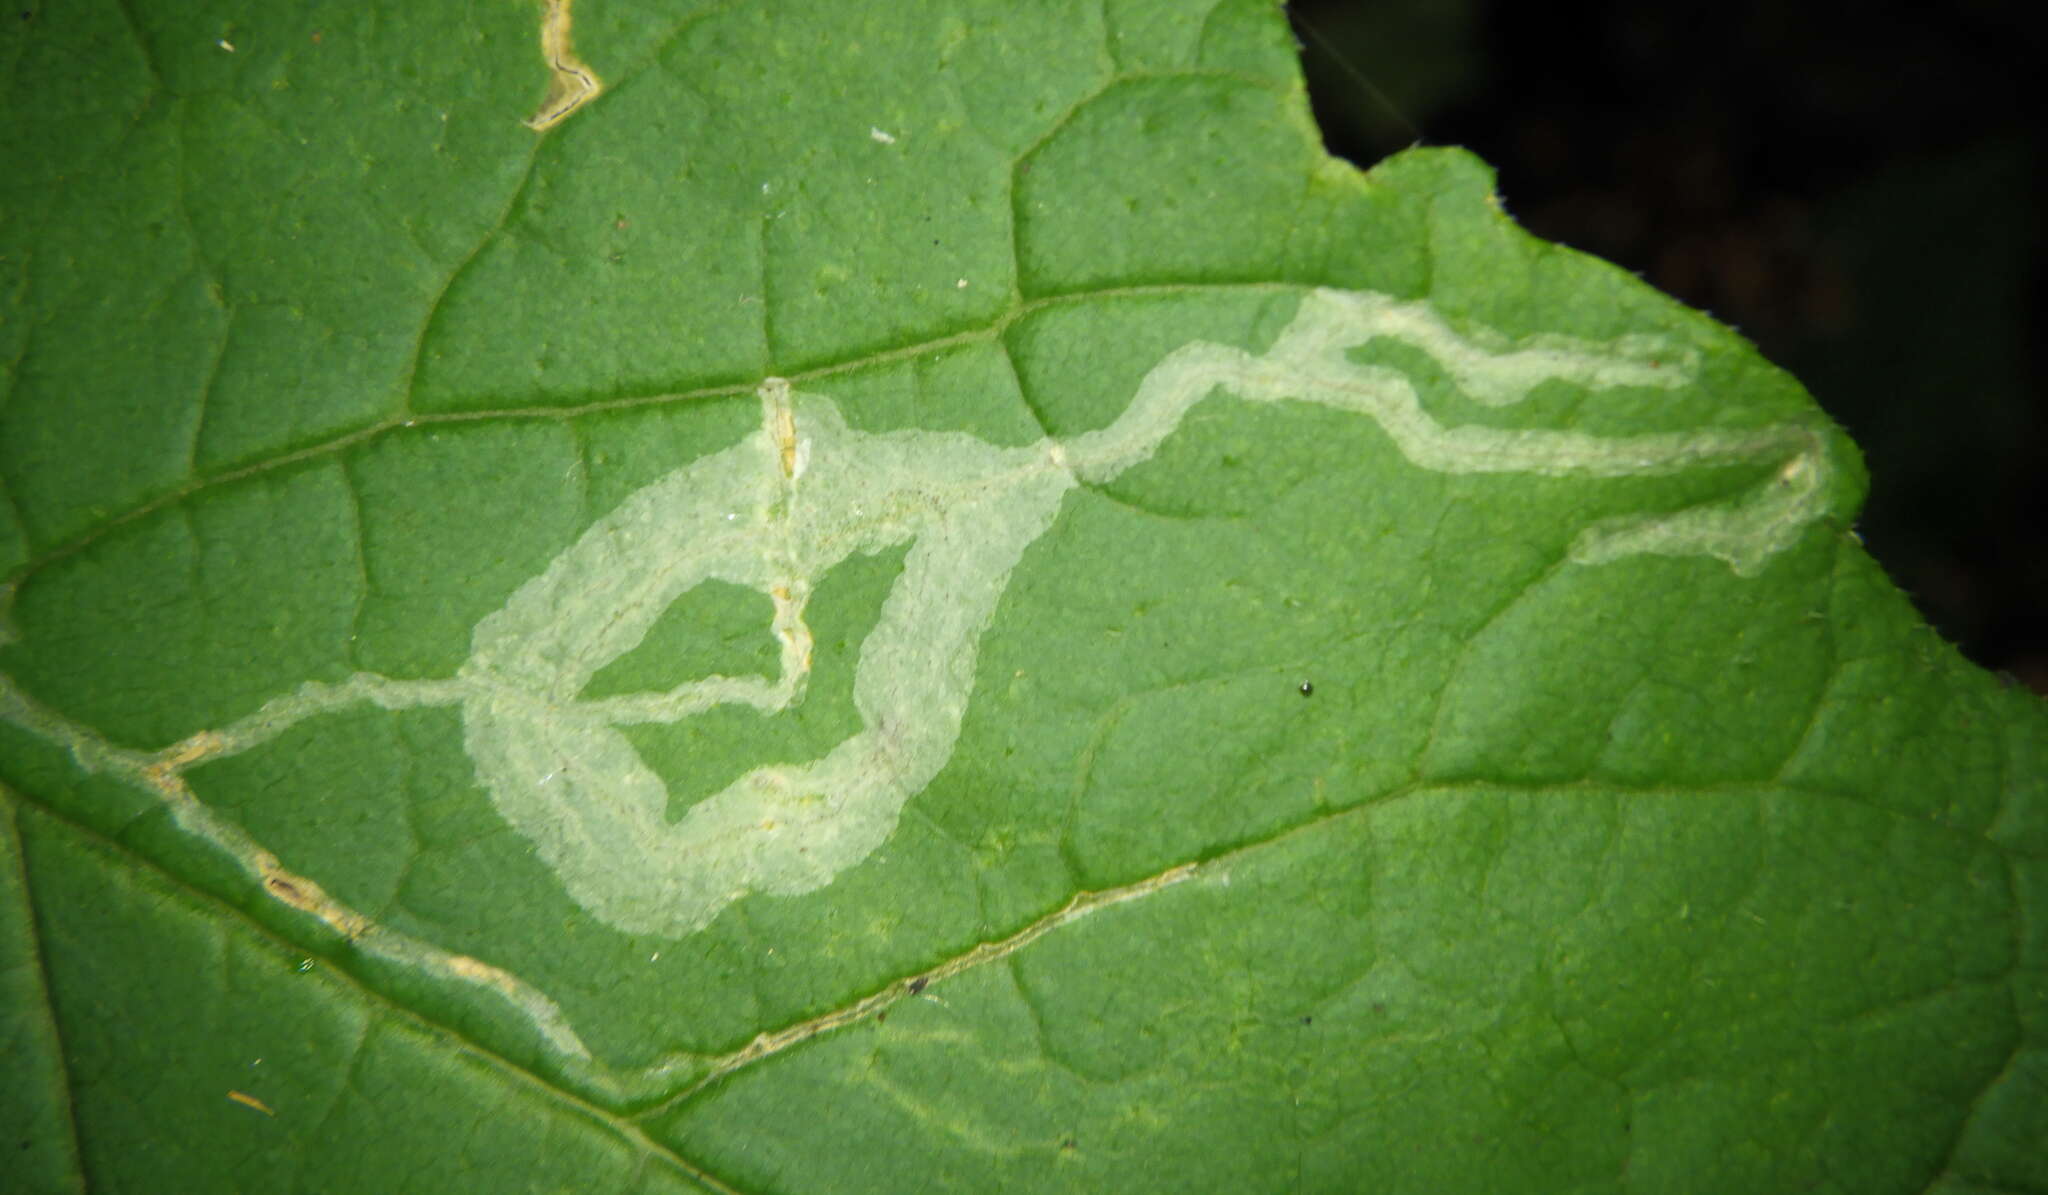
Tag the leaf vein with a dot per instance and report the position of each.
(33, 932)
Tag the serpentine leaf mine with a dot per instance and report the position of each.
(779, 510)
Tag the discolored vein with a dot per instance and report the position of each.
(161, 775)
(769, 1043)
(571, 82)
(222, 917)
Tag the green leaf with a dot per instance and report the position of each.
(799, 597)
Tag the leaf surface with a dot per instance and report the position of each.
(793, 597)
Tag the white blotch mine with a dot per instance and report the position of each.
(779, 510)
(808, 492)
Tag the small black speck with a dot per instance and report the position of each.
(917, 985)
(1307, 1020)
(1307, 689)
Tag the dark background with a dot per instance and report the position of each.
(1857, 189)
